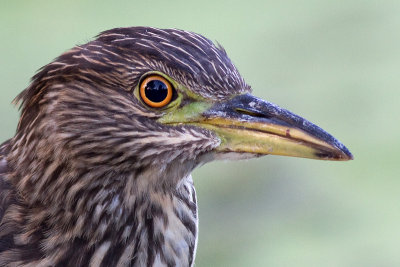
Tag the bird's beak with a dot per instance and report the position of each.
(247, 124)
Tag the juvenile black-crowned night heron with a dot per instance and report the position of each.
(98, 172)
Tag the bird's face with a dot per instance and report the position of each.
(140, 99)
(190, 84)
(245, 126)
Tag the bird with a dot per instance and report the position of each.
(98, 172)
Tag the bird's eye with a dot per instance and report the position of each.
(156, 91)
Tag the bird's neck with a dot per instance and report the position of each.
(160, 230)
(125, 221)
(168, 228)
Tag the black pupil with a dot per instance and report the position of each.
(156, 91)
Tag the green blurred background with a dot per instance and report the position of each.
(336, 63)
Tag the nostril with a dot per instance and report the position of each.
(252, 113)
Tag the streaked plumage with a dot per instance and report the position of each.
(92, 178)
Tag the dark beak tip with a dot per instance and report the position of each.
(343, 154)
(339, 153)
(349, 155)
